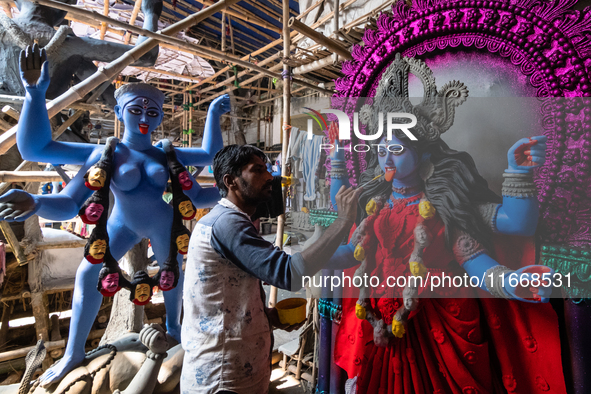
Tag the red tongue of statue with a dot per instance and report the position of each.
(144, 129)
(390, 175)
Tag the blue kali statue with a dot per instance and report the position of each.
(140, 175)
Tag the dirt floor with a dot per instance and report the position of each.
(285, 383)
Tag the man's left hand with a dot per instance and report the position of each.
(273, 316)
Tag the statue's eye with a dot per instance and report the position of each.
(135, 111)
(153, 114)
(382, 152)
(396, 149)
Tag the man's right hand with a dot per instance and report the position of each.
(347, 200)
(17, 205)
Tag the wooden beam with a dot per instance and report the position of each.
(29, 176)
(67, 123)
(104, 24)
(13, 242)
(14, 354)
(13, 113)
(136, 10)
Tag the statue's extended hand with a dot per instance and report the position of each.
(527, 154)
(17, 205)
(34, 68)
(530, 284)
(220, 105)
(165, 145)
(154, 337)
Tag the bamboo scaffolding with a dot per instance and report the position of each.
(245, 15)
(294, 35)
(108, 73)
(171, 40)
(320, 38)
(239, 20)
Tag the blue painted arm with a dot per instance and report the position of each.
(478, 267)
(18, 205)
(202, 197)
(337, 165)
(212, 136)
(517, 215)
(33, 136)
(343, 258)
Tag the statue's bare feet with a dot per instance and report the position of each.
(59, 370)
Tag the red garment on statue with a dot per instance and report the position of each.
(452, 345)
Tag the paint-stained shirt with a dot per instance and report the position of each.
(225, 333)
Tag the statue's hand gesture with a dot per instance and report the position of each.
(17, 205)
(34, 69)
(220, 105)
(154, 337)
(527, 154)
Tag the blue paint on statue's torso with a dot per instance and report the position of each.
(139, 179)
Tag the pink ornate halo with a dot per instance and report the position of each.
(544, 41)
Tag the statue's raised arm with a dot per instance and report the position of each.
(212, 136)
(33, 135)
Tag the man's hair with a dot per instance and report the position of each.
(230, 160)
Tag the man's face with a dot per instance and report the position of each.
(186, 209)
(255, 182)
(185, 181)
(166, 280)
(97, 177)
(110, 282)
(94, 211)
(142, 292)
(97, 249)
(182, 243)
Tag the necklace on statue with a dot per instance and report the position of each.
(404, 190)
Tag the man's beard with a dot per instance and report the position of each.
(251, 196)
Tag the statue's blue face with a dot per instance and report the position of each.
(140, 115)
(396, 163)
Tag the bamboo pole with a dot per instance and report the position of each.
(231, 36)
(320, 38)
(13, 113)
(14, 354)
(190, 129)
(170, 73)
(335, 25)
(13, 242)
(29, 176)
(109, 72)
(224, 32)
(136, 9)
(4, 98)
(285, 128)
(104, 24)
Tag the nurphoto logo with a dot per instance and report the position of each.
(393, 123)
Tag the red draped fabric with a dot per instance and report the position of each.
(462, 345)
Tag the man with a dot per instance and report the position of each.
(226, 331)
